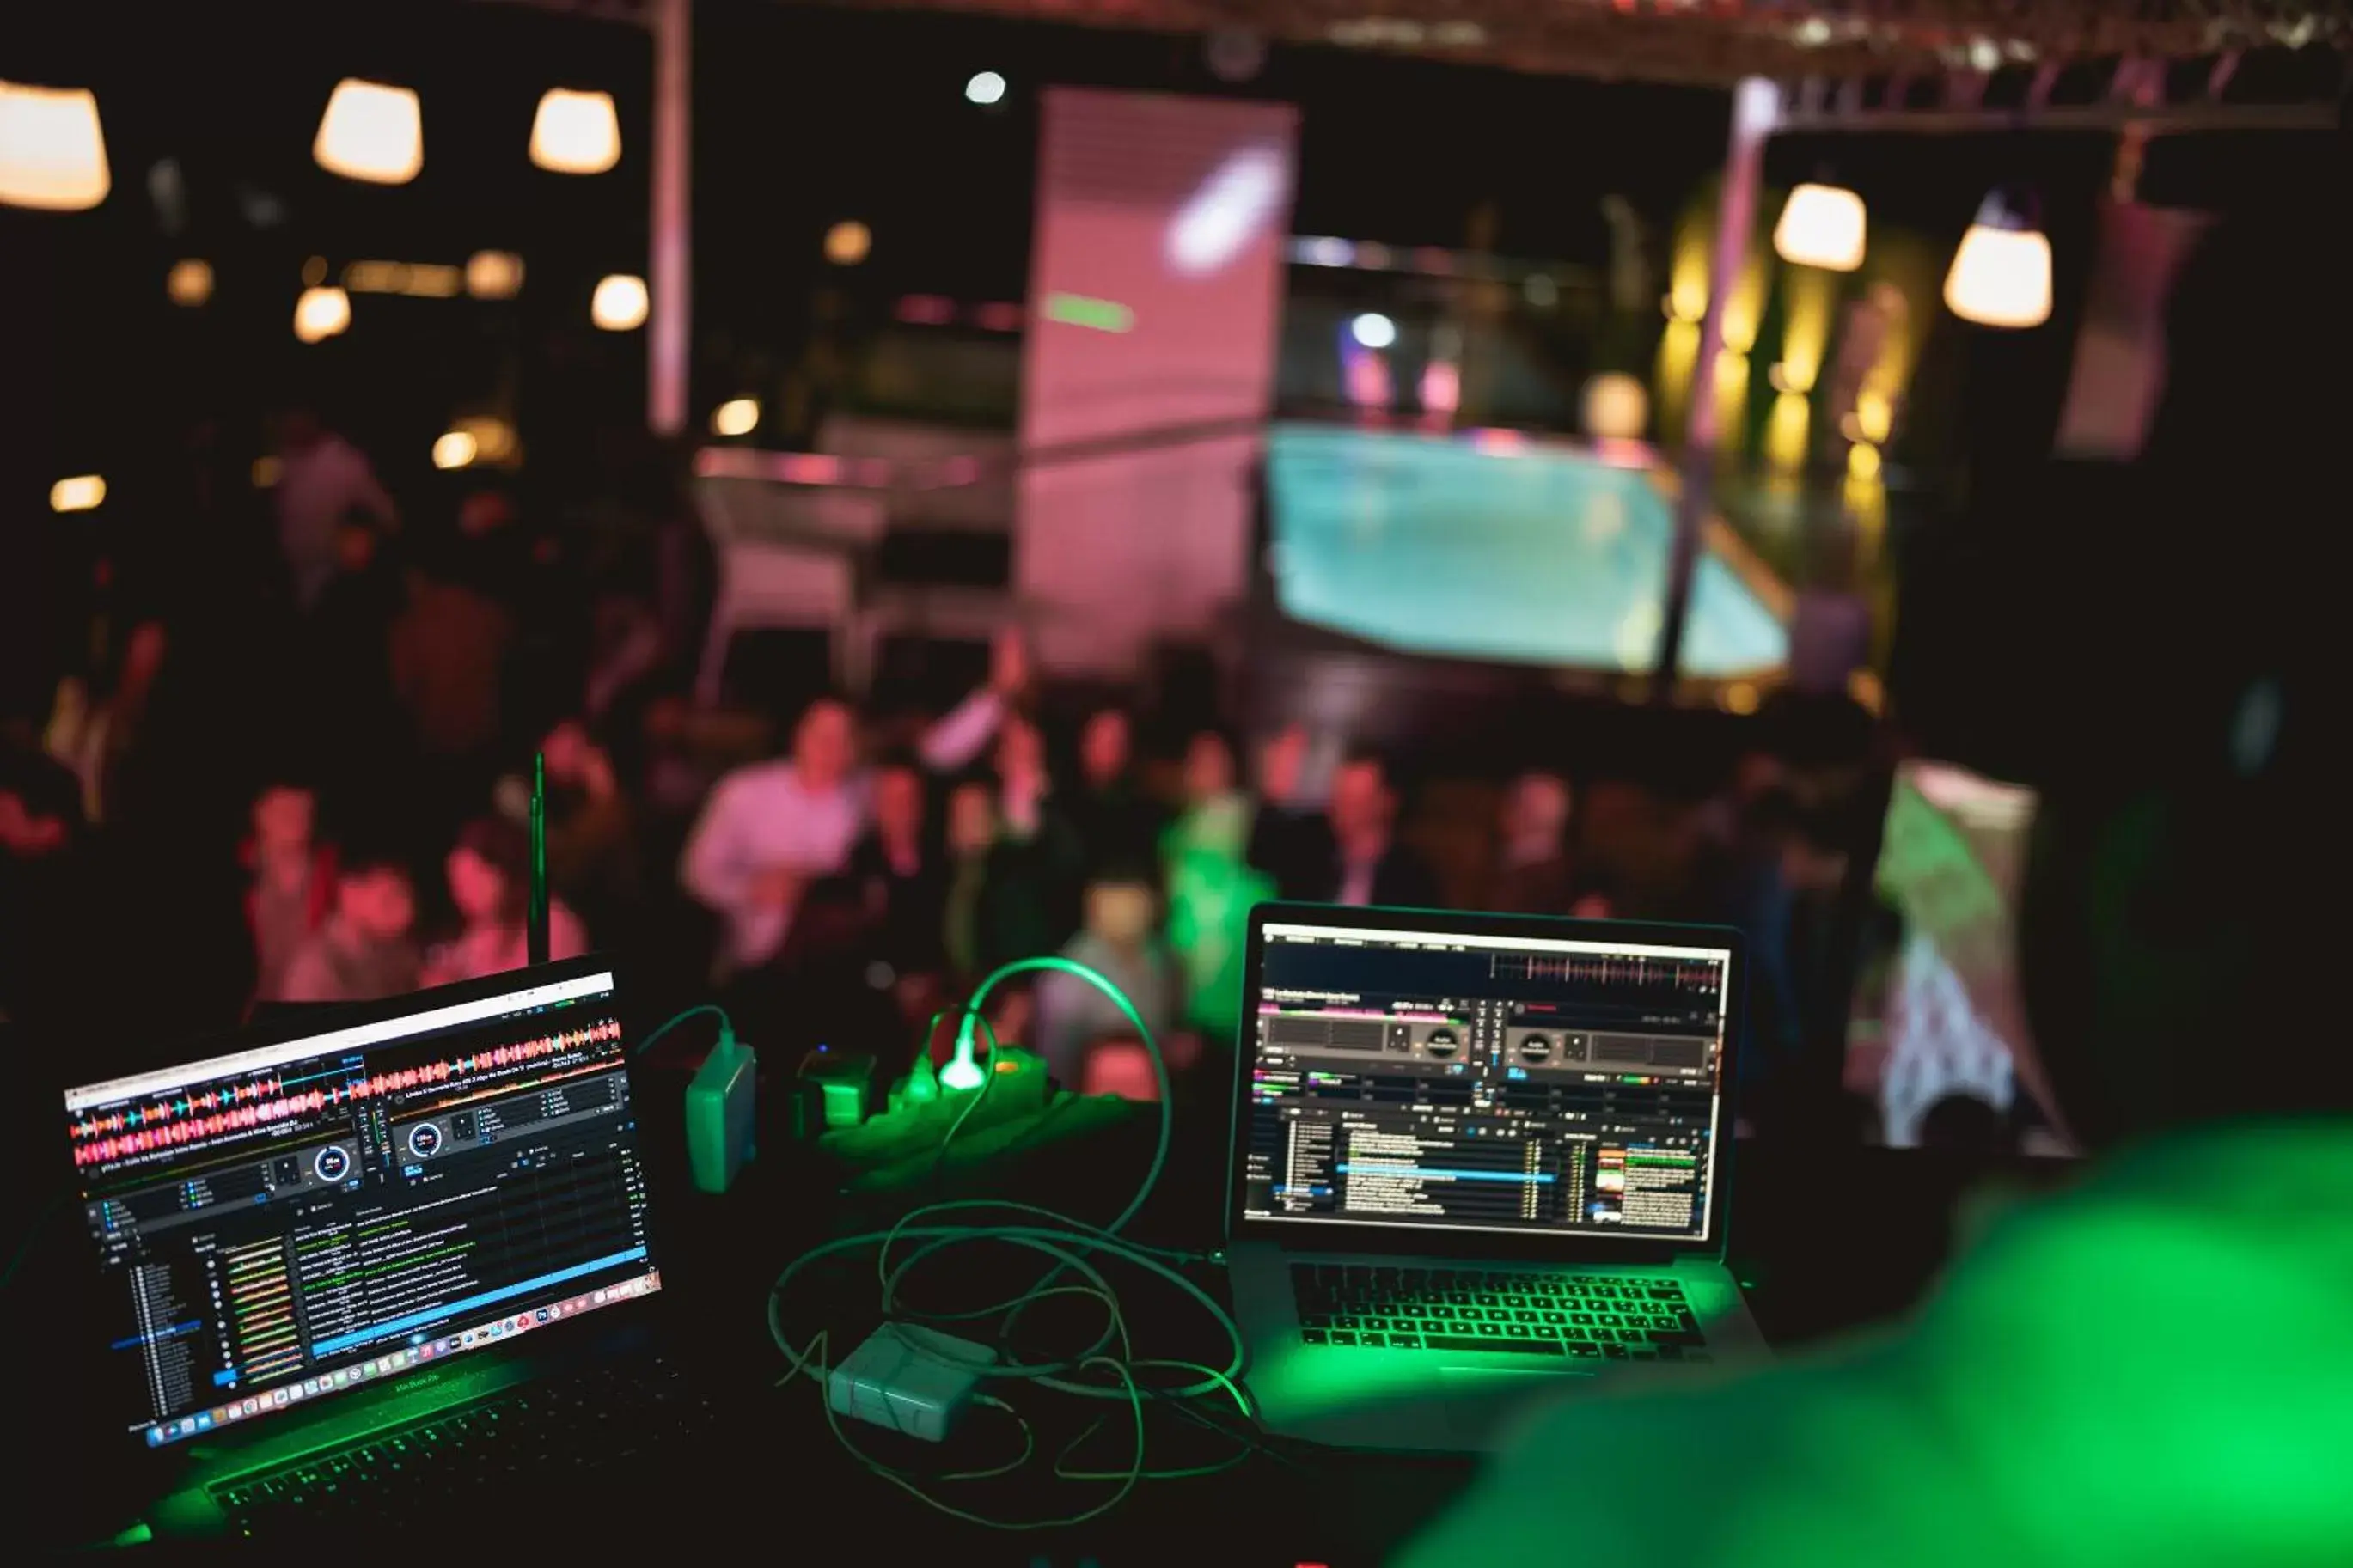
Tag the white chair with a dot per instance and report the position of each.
(787, 559)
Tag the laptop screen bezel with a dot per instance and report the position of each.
(295, 1026)
(1438, 1241)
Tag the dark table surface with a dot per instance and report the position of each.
(1827, 1237)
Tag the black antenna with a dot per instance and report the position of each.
(535, 922)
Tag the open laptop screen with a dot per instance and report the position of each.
(294, 1220)
(1473, 1083)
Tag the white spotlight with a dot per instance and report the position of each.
(575, 133)
(52, 154)
(1822, 226)
(372, 133)
(619, 303)
(985, 89)
(1372, 330)
(2002, 273)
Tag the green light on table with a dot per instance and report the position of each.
(845, 1104)
(1098, 315)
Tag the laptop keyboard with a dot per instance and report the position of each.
(1592, 1317)
(537, 1432)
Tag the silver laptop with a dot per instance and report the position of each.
(1475, 1156)
(336, 1249)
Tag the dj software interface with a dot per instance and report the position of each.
(1485, 1083)
(304, 1218)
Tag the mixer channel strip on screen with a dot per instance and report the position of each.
(271, 1226)
(1504, 1086)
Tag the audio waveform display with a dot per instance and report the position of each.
(1679, 973)
(194, 1118)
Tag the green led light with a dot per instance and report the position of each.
(1098, 315)
(845, 1104)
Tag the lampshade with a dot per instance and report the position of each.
(2002, 273)
(371, 133)
(321, 313)
(619, 303)
(1822, 226)
(494, 275)
(1617, 407)
(52, 154)
(575, 133)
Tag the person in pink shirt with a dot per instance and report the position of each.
(489, 883)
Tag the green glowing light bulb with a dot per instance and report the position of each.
(963, 1073)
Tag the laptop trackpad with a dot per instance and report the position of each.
(1481, 1401)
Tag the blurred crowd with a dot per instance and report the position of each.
(309, 782)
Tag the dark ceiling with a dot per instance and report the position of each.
(1718, 40)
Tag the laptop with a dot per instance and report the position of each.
(344, 1258)
(1475, 1156)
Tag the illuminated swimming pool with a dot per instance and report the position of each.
(1538, 555)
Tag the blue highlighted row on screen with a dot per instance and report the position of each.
(190, 1327)
(1456, 1175)
(448, 1309)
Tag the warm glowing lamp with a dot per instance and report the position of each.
(2002, 273)
(494, 275)
(1822, 226)
(82, 492)
(52, 154)
(847, 242)
(321, 313)
(575, 133)
(190, 282)
(372, 133)
(454, 449)
(736, 417)
(1615, 407)
(619, 303)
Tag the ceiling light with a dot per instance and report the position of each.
(575, 133)
(847, 242)
(52, 154)
(80, 493)
(2000, 274)
(372, 133)
(493, 274)
(321, 313)
(1822, 226)
(619, 303)
(190, 282)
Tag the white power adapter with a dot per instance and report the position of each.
(891, 1380)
